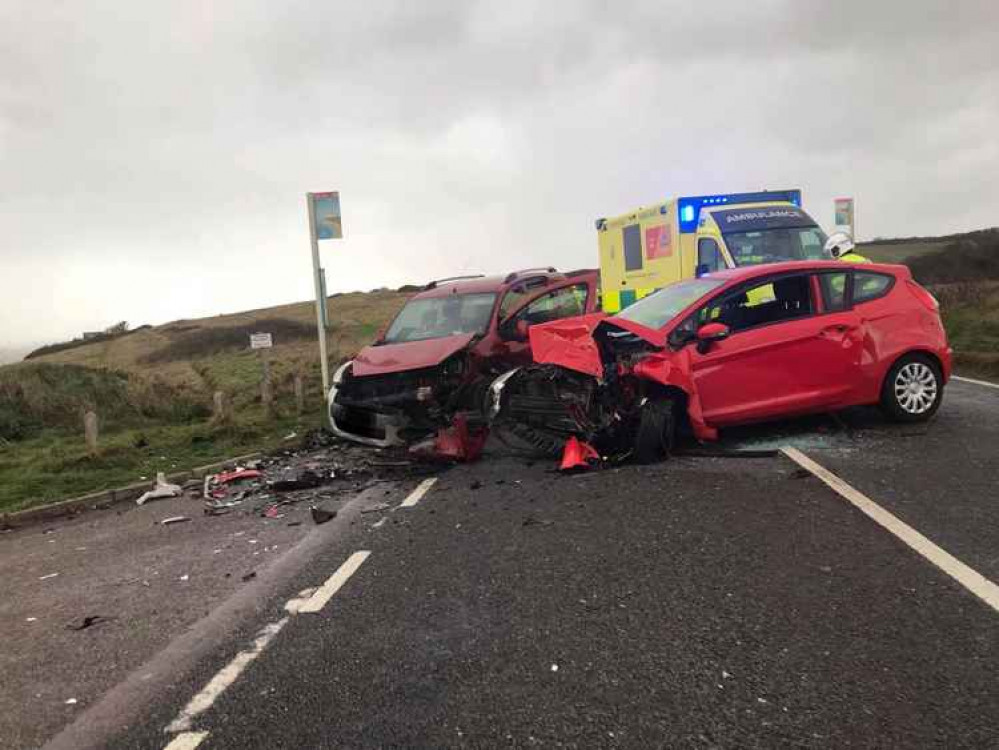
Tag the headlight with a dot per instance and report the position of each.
(496, 392)
(340, 371)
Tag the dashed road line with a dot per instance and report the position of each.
(325, 592)
(968, 577)
(228, 675)
(986, 383)
(416, 495)
(186, 741)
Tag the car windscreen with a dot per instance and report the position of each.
(437, 317)
(660, 308)
(777, 245)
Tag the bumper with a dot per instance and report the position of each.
(365, 426)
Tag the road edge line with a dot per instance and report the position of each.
(416, 495)
(986, 383)
(965, 575)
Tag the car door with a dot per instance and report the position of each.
(785, 354)
(569, 298)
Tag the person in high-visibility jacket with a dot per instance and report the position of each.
(842, 247)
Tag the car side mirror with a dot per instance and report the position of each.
(709, 333)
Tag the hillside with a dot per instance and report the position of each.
(213, 353)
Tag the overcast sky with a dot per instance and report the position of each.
(154, 155)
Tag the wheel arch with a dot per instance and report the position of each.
(928, 353)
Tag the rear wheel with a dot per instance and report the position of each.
(913, 389)
(656, 431)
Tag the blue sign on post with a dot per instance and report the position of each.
(326, 208)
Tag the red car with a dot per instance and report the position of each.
(438, 356)
(743, 345)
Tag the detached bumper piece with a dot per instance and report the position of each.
(460, 442)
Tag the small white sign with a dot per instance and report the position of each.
(261, 341)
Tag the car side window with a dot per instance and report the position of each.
(709, 255)
(834, 287)
(564, 302)
(868, 285)
(771, 301)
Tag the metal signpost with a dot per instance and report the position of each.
(846, 216)
(324, 224)
(263, 342)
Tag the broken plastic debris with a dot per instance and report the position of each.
(162, 489)
(174, 519)
(71, 701)
(32, 619)
(185, 577)
(578, 455)
(47, 576)
(321, 515)
(554, 667)
(88, 622)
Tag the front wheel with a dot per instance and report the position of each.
(656, 431)
(913, 389)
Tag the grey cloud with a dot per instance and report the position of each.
(175, 140)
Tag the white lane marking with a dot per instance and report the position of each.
(325, 592)
(228, 675)
(968, 577)
(416, 495)
(986, 383)
(295, 605)
(186, 741)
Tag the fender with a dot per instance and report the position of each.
(673, 370)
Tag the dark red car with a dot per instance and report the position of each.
(448, 343)
(744, 345)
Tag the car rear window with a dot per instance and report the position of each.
(868, 285)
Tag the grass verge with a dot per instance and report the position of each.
(55, 465)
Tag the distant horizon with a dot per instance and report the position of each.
(11, 349)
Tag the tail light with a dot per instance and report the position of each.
(927, 299)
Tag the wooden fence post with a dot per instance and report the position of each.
(90, 431)
(220, 411)
(299, 394)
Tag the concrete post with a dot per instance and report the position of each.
(90, 431)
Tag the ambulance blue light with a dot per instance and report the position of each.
(689, 208)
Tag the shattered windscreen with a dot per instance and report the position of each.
(776, 245)
(660, 308)
(437, 317)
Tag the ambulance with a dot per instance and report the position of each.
(645, 249)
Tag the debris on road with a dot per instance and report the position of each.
(46, 577)
(532, 521)
(321, 515)
(71, 701)
(174, 519)
(578, 455)
(88, 622)
(162, 489)
(306, 480)
(249, 576)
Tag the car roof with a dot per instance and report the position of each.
(766, 269)
(490, 284)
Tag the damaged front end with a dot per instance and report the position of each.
(590, 382)
(386, 409)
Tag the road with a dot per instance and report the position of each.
(703, 602)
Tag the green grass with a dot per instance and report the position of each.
(55, 465)
(970, 313)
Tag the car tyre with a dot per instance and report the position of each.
(913, 389)
(656, 431)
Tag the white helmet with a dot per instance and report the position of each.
(839, 244)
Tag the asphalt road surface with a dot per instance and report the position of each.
(704, 602)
